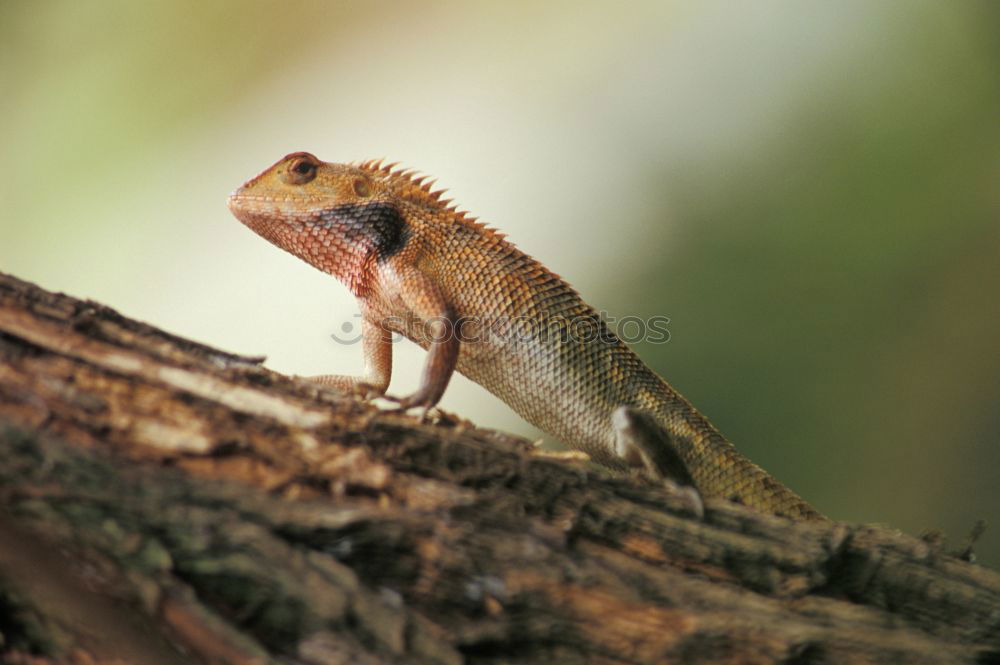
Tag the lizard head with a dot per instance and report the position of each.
(338, 217)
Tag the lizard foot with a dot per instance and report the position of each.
(643, 444)
(344, 384)
(406, 404)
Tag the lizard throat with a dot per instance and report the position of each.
(345, 240)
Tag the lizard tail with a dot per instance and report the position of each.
(719, 469)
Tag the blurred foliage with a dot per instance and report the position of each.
(839, 290)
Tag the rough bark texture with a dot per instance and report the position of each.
(165, 502)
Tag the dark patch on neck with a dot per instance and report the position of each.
(378, 221)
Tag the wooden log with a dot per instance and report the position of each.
(165, 502)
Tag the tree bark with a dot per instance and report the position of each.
(166, 502)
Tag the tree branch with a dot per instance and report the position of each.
(165, 502)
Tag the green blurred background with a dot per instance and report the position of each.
(809, 190)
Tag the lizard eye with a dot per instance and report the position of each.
(301, 171)
(362, 188)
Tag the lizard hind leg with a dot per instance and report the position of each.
(642, 443)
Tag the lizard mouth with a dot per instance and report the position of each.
(259, 209)
(241, 197)
(243, 205)
(237, 204)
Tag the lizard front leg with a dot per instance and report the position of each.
(376, 343)
(437, 321)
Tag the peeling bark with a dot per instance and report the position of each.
(165, 502)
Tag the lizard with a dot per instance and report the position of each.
(420, 267)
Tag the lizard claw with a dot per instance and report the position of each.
(367, 391)
(422, 399)
(692, 495)
(344, 384)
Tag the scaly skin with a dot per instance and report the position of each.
(420, 268)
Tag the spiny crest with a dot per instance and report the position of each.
(416, 188)
(409, 179)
